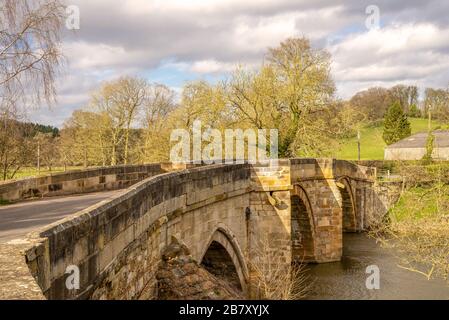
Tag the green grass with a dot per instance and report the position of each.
(410, 199)
(372, 144)
(33, 172)
(4, 202)
(420, 202)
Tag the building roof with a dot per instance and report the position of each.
(419, 140)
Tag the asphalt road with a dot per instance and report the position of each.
(18, 219)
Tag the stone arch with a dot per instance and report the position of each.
(303, 227)
(223, 257)
(347, 205)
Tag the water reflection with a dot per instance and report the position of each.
(346, 279)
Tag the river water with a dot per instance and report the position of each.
(346, 279)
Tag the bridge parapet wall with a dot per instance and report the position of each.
(326, 168)
(116, 245)
(354, 171)
(83, 181)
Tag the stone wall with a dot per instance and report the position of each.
(82, 181)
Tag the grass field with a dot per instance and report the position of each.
(372, 144)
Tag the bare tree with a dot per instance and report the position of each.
(275, 279)
(159, 102)
(132, 93)
(405, 95)
(30, 54)
(438, 102)
(120, 100)
(158, 106)
(30, 58)
(372, 102)
(47, 144)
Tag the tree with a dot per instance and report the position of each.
(131, 93)
(16, 147)
(85, 139)
(159, 102)
(253, 98)
(414, 112)
(30, 59)
(120, 100)
(373, 102)
(30, 54)
(46, 143)
(157, 108)
(438, 101)
(288, 92)
(344, 119)
(406, 95)
(306, 88)
(396, 124)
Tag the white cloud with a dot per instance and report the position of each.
(408, 53)
(211, 37)
(211, 66)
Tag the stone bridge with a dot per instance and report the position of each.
(299, 207)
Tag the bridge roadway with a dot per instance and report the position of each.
(18, 219)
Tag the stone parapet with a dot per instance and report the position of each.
(83, 181)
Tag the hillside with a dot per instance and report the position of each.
(372, 144)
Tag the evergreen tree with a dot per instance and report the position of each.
(396, 124)
(414, 112)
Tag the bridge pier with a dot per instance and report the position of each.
(299, 210)
(269, 220)
(325, 219)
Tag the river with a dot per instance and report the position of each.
(346, 279)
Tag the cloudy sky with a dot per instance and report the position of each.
(174, 41)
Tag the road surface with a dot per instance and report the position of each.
(18, 219)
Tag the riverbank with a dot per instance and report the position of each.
(347, 279)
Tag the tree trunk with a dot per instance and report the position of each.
(126, 145)
(113, 159)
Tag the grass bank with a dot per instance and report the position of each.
(417, 226)
(372, 144)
